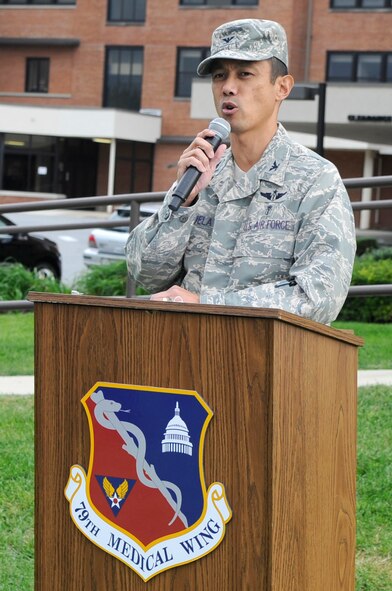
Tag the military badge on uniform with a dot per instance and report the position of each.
(144, 498)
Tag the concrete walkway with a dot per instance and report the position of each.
(368, 377)
(17, 385)
(25, 384)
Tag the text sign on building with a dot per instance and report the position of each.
(144, 498)
(371, 118)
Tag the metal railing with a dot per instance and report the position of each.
(136, 199)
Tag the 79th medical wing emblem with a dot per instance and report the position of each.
(144, 498)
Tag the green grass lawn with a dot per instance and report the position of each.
(374, 489)
(16, 493)
(374, 486)
(377, 351)
(17, 344)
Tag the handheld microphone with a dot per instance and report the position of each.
(192, 174)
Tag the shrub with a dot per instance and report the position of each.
(371, 268)
(104, 280)
(16, 281)
(382, 253)
(366, 245)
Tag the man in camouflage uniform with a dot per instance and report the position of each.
(269, 222)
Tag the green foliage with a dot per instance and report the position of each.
(376, 352)
(372, 574)
(17, 344)
(372, 268)
(369, 270)
(16, 281)
(16, 493)
(382, 253)
(101, 280)
(365, 244)
(105, 280)
(374, 485)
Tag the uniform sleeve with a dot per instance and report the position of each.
(155, 248)
(322, 263)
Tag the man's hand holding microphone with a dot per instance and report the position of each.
(195, 169)
(198, 162)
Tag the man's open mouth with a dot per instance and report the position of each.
(228, 107)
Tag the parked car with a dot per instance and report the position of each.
(34, 252)
(106, 245)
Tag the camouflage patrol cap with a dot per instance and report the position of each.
(247, 40)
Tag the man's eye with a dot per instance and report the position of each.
(217, 75)
(245, 74)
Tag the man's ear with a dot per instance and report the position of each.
(284, 86)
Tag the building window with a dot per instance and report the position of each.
(219, 2)
(362, 4)
(134, 166)
(127, 11)
(369, 67)
(29, 163)
(46, 164)
(36, 2)
(37, 74)
(188, 58)
(123, 77)
(359, 67)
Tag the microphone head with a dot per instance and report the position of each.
(221, 127)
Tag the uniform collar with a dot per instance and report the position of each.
(273, 164)
(271, 167)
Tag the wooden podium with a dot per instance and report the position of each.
(282, 440)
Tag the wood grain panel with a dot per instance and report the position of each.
(314, 462)
(282, 439)
(223, 360)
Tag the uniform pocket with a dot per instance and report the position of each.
(273, 244)
(262, 258)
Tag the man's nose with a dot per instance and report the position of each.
(229, 86)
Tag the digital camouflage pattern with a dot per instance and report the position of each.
(288, 217)
(248, 40)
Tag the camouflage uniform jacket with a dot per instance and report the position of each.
(288, 218)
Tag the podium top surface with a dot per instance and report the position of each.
(141, 303)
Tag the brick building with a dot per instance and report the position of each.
(99, 96)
